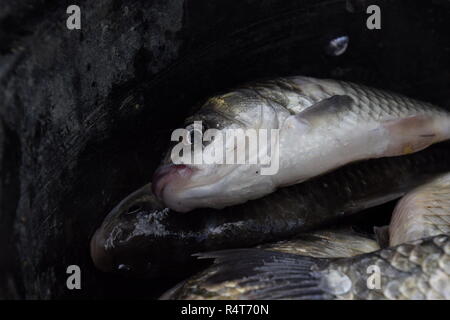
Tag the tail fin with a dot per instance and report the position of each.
(261, 274)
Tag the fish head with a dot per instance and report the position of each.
(134, 240)
(222, 154)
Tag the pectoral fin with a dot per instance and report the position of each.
(376, 138)
(331, 105)
(318, 112)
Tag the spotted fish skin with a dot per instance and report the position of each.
(422, 212)
(413, 271)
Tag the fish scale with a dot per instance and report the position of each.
(416, 270)
(370, 101)
(423, 212)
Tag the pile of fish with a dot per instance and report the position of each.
(342, 148)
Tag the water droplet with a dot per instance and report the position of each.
(337, 46)
(123, 267)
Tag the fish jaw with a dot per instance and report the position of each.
(170, 177)
(206, 187)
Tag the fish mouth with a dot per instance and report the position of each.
(169, 175)
(101, 258)
(183, 188)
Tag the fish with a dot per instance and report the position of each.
(142, 237)
(422, 212)
(306, 127)
(328, 243)
(418, 270)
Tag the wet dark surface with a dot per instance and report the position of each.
(85, 115)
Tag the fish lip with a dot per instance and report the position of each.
(164, 174)
(157, 182)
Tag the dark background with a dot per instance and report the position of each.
(86, 114)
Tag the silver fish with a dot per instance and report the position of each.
(416, 270)
(423, 212)
(320, 125)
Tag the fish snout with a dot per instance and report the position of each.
(101, 258)
(170, 174)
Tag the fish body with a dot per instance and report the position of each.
(415, 271)
(142, 236)
(423, 212)
(320, 124)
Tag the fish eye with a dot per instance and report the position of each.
(191, 133)
(134, 209)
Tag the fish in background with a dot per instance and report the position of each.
(323, 125)
(141, 236)
(423, 212)
(414, 270)
(330, 243)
